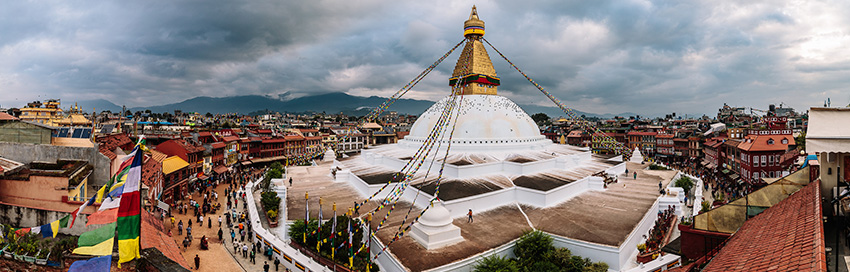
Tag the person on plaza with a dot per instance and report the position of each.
(290, 181)
(635, 175)
(201, 220)
(190, 222)
(220, 233)
(469, 214)
(197, 262)
(276, 263)
(236, 248)
(244, 251)
(180, 227)
(266, 266)
(243, 235)
(232, 236)
(253, 255)
(209, 222)
(219, 221)
(185, 243)
(204, 243)
(189, 231)
(172, 222)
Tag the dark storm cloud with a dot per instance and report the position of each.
(597, 56)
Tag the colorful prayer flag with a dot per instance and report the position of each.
(102, 263)
(22, 231)
(102, 217)
(77, 212)
(63, 223)
(97, 242)
(129, 212)
(50, 230)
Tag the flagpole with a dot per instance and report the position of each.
(319, 232)
(369, 247)
(333, 239)
(307, 217)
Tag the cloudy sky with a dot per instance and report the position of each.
(597, 56)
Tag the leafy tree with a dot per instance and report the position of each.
(685, 183)
(532, 247)
(542, 266)
(497, 263)
(541, 119)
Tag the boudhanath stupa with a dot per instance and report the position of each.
(512, 178)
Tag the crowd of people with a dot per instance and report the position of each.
(207, 208)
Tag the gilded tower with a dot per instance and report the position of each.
(474, 71)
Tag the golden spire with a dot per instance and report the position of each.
(473, 26)
(474, 70)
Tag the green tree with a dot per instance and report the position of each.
(495, 263)
(532, 247)
(685, 183)
(541, 119)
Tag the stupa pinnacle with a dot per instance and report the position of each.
(474, 70)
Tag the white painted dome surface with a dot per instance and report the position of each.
(484, 121)
(436, 216)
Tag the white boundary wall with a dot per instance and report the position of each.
(276, 241)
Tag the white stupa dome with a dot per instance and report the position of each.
(485, 122)
(436, 216)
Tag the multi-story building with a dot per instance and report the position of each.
(49, 115)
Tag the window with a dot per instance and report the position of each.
(770, 159)
(769, 141)
(763, 160)
(756, 176)
(755, 160)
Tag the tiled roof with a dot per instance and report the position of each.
(762, 143)
(109, 143)
(6, 117)
(786, 237)
(152, 235)
(230, 138)
(158, 156)
(151, 172)
(642, 133)
(190, 148)
(217, 145)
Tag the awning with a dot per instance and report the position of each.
(246, 162)
(203, 177)
(220, 169)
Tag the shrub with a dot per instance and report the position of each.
(542, 266)
(270, 201)
(705, 206)
(532, 247)
(685, 183)
(496, 263)
(272, 214)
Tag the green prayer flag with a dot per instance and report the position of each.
(63, 223)
(97, 236)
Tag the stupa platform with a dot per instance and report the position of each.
(604, 219)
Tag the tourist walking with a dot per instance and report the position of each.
(266, 266)
(290, 181)
(232, 236)
(209, 222)
(469, 214)
(276, 263)
(220, 233)
(253, 255)
(244, 251)
(197, 262)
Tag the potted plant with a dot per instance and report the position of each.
(272, 216)
(9, 253)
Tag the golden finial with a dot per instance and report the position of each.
(474, 26)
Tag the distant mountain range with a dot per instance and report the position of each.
(328, 103)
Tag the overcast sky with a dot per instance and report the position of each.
(645, 57)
